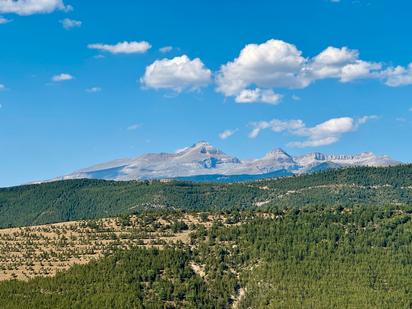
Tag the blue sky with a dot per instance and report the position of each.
(246, 76)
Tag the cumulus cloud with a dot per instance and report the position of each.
(30, 7)
(398, 76)
(272, 64)
(123, 47)
(62, 77)
(278, 64)
(227, 133)
(325, 133)
(180, 73)
(341, 63)
(166, 49)
(68, 23)
(93, 89)
(258, 95)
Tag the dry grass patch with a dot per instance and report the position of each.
(44, 250)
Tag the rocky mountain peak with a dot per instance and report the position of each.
(277, 153)
(203, 147)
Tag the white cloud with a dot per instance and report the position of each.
(166, 49)
(62, 77)
(2, 87)
(366, 119)
(325, 133)
(331, 60)
(93, 89)
(410, 109)
(180, 73)
(134, 127)
(68, 23)
(296, 97)
(278, 64)
(227, 133)
(360, 70)
(275, 125)
(258, 95)
(272, 64)
(4, 20)
(341, 63)
(30, 7)
(123, 47)
(398, 76)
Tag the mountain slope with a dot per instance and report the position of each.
(203, 161)
(88, 199)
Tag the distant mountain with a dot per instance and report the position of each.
(204, 162)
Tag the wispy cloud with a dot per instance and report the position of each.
(93, 89)
(4, 20)
(325, 133)
(134, 126)
(2, 87)
(62, 77)
(166, 49)
(227, 133)
(123, 47)
(68, 23)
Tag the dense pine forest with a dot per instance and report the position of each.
(89, 199)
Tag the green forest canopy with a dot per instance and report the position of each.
(87, 199)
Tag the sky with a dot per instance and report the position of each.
(84, 82)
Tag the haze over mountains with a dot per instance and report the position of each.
(204, 162)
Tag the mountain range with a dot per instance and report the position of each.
(204, 162)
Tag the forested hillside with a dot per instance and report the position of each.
(312, 257)
(88, 199)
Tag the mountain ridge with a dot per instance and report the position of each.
(202, 159)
